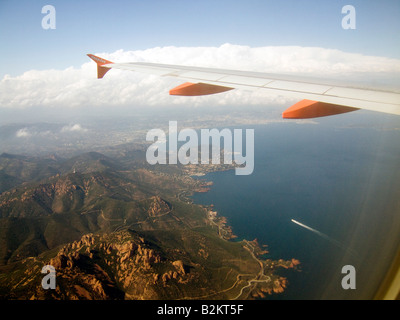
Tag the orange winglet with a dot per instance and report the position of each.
(197, 89)
(306, 109)
(101, 71)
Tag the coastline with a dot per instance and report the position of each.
(262, 284)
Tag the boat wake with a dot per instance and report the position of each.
(326, 237)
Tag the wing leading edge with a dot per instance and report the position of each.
(319, 98)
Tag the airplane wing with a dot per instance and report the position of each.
(319, 98)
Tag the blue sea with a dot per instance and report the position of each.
(339, 176)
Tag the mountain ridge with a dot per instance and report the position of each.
(115, 231)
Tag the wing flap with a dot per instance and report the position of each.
(367, 95)
(247, 81)
(298, 87)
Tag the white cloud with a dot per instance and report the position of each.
(78, 87)
(73, 128)
(23, 133)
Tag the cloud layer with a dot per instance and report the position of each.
(78, 87)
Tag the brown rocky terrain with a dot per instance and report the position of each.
(121, 265)
(124, 234)
(158, 207)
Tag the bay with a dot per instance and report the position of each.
(339, 176)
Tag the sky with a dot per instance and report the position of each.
(106, 26)
(35, 63)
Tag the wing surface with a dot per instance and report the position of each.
(318, 97)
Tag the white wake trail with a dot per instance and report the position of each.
(313, 230)
(326, 237)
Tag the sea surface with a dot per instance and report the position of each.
(339, 176)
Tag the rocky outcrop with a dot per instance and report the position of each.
(158, 207)
(178, 264)
(121, 265)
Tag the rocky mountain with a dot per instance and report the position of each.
(47, 211)
(16, 169)
(120, 265)
(89, 162)
(114, 231)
